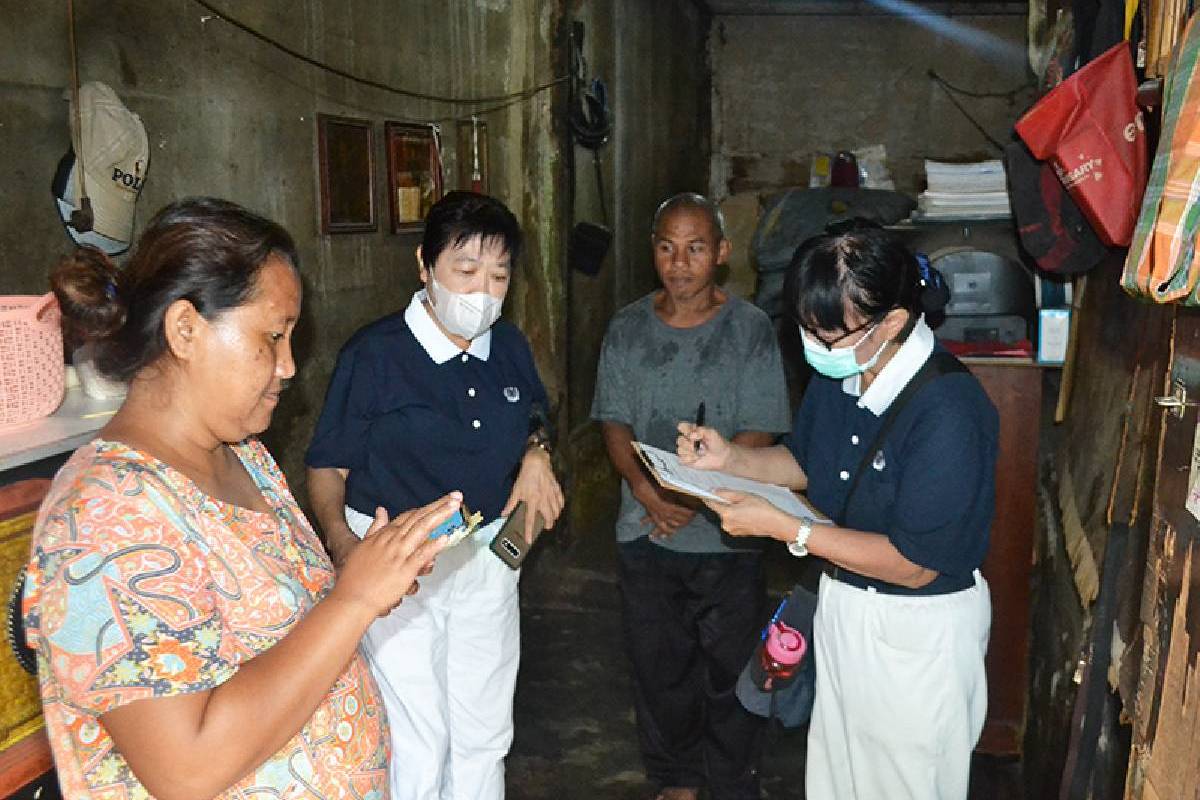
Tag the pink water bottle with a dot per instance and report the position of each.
(781, 653)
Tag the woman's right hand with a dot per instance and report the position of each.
(702, 448)
(381, 570)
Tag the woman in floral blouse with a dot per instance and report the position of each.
(191, 640)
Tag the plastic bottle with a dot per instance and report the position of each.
(844, 171)
(780, 654)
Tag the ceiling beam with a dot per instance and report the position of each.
(857, 8)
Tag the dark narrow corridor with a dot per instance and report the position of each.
(575, 735)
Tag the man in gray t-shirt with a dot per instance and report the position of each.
(692, 598)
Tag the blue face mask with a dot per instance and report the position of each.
(837, 362)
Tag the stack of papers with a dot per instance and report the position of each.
(673, 474)
(964, 191)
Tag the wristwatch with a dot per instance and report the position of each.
(539, 439)
(799, 546)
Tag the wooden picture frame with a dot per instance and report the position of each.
(414, 173)
(346, 161)
(465, 143)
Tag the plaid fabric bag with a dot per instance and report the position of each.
(1161, 265)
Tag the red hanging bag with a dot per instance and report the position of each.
(1091, 131)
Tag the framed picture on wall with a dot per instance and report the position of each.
(346, 161)
(471, 145)
(414, 173)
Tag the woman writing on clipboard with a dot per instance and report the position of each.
(903, 614)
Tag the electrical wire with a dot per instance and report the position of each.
(521, 98)
(948, 86)
(82, 219)
(516, 96)
(954, 101)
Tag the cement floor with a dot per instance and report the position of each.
(575, 735)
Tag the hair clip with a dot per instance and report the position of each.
(923, 268)
(110, 290)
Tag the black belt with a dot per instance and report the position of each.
(943, 584)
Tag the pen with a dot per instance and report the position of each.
(699, 422)
(774, 619)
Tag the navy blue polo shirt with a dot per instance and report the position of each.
(931, 490)
(413, 417)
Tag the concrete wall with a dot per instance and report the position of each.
(652, 57)
(228, 115)
(786, 87)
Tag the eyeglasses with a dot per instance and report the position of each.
(830, 344)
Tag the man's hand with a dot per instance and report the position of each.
(664, 513)
(538, 487)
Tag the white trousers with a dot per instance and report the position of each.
(901, 693)
(446, 663)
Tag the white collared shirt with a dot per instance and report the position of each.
(436, 343)
(892, 379)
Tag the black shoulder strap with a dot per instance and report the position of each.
(938, 364)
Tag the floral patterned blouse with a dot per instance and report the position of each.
(140, 585)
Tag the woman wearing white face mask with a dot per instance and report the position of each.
(903, 616)
(442, 394)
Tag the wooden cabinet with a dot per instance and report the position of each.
(1016, 390)
(24, 750)
(25, 762)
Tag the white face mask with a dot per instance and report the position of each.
(465, 315)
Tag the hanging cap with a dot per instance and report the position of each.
(114, 156)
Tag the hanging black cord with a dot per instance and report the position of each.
(515, 96)
(589, 116)
(1009, 95)
(590, 119)
(600, 187)
(82, 219)
(954, 100)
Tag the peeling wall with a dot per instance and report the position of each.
(1099, 470)
(826, 83)
(652, 58)
(228, 115)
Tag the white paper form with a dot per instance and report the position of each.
(672, 473)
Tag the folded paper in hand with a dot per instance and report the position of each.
(673, 474)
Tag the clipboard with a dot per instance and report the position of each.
(673, 474)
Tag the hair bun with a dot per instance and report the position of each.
(935, 294)
(86, 283)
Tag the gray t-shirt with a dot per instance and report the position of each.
(652, 376)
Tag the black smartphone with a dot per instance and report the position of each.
(509, 543)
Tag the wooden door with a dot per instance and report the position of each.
(1164, 764)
